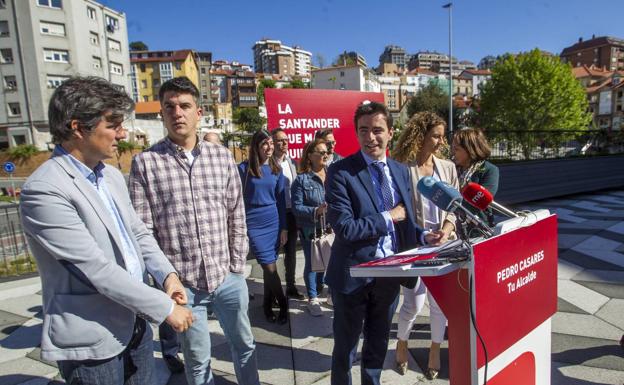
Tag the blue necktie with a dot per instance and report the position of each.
(384, 186)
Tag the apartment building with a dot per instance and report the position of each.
(438, 62)
(273, 57)
(150, 69)
(43, 43)
(395, 55)
(605, 94)
(233, 83)
(204, 63)
(603, 52)
(353, 77)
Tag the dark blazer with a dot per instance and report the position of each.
(357, 220)
(487, 176)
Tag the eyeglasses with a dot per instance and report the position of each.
(321, 153)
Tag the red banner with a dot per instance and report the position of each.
(302, 112)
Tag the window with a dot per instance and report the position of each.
(96, 62)
(155, 83)
(142, 67)
(166, 71)
(341, 74)
(6, 56)
(14, 109)
(203, 83)
(178, 66)
(204, 96)
(111, 23)
(51, 3)
(55, 80)
(48, 28)
(94, 38)
(146, 98)
(2, 4)
(55, 55)
(203, 71)
(114, 45)
(116, 68)
(4, 28)
(10, 83)
(91, 13)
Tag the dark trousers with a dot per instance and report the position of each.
(370, 311)
(169, 344)
(134, 366)
(290, 250)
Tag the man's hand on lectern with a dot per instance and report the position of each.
(436, 237)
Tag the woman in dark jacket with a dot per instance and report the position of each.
(470, 151)
(308, 204)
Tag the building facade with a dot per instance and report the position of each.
(603, 52)
(43, 43)
(150, 69)
(395, 55)
(204, 63)
(354, 77)
(273, 57)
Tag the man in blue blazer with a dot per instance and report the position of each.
(371, 213)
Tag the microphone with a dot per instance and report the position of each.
(479, 197)
(447, 198)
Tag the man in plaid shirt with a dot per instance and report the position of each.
(188, 192)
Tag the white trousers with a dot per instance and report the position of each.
(413, 302)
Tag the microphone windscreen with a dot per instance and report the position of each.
(440, 194)
(477, 195)
(425, 186)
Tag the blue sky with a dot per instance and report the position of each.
(480, 27)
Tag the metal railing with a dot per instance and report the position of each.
(15, 257)
(552, 144)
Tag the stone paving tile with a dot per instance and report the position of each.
(613, 312)
(313, 361)
(591, 206)
(607, 289)
(24, 369)
(615, 237)
(607, 199)
(21, 341)
(35, 354)
(587, 261)
(580, 296)
(617, 228)
(603, 276)
(567, 270)
(305, 328)
(567, 307)
(25, 306)
(13, 289)
(565, 374)
(275, 364)
(612, 257)
(594, 352)
(584, 325)
(566, 214)
(597, 243)
(567, 241)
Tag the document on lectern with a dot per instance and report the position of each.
(407, 263)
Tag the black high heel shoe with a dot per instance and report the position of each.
(268, 311)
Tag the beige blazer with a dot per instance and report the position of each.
(448, 173)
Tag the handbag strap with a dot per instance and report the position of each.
(322, 219)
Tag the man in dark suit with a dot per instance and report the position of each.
(370, 210)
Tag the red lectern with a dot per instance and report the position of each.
(511, 282)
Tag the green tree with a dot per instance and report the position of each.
(298, 83)
(138, 46)
(346, 59)
(264, 83)
(532, 92)
(248, 119)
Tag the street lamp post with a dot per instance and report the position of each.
(449, 6)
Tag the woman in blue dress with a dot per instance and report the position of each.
(265, 206)
(308, 201)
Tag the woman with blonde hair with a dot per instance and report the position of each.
(422, 146)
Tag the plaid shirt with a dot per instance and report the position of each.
(196, 213)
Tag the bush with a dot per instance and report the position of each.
(23, 152)
(123, 147)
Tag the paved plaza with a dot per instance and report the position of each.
(586, 329)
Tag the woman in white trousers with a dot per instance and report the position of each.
(421, 146)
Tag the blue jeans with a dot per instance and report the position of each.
(312, 280)
(135, 366)
(229, 302)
